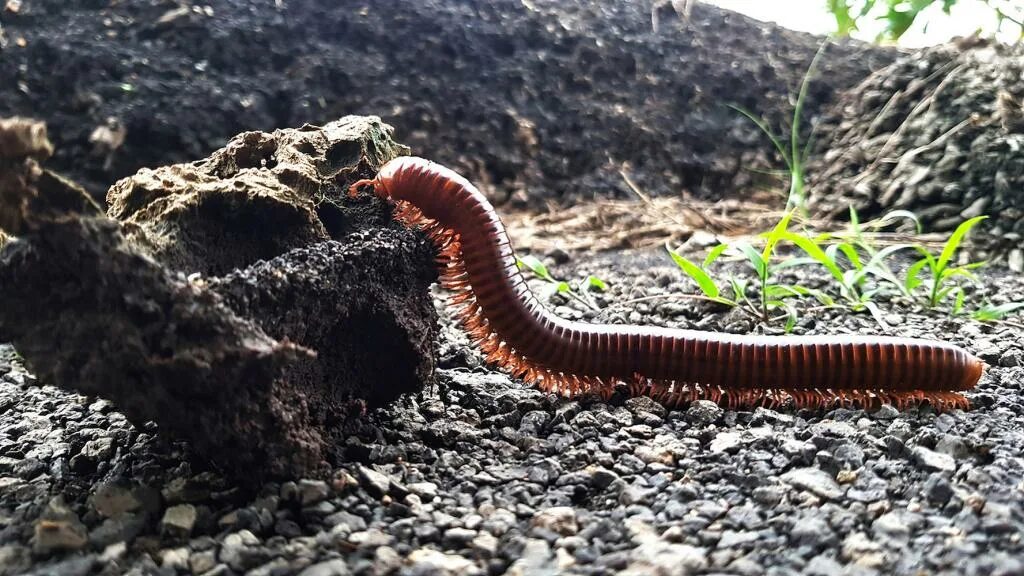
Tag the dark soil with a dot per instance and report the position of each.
(549, 97)
(940, 133)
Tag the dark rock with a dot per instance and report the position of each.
(316, 322)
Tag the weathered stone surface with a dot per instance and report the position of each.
(259, 196)
(322, 308)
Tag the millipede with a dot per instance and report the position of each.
(516, 333)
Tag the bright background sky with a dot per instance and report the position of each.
(813, 16)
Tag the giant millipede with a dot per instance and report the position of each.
(672, 366)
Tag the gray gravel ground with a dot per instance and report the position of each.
(486, 476)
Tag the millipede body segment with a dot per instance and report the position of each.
(673, 366)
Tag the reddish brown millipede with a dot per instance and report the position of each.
(673, 366)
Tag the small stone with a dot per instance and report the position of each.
(822, 565)
(558, 519)
(1015, 260)
(1012, 358)
(458, 537)
(121, 528)
(815, 481)
(937, 488)
(112, 553)
(703, 412)
(886, 412)
(931, 460)
(895, 524)
(354, 523)
(858, 549)
(376, 483)
(312, 491)
(336, 567)
(566, 412)
(425, 490)
(601, 477)
(485, 543)
(111, 500)
(732, 538)
(52, 535)
(98, 449)
(641, 404)
(178, 521)
(833, 428)
(200, 562)
(726, 442)
(174, 558)
(812, 530)
(953, 445)
(58, 528)
(427, 561)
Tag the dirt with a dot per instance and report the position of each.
(547, 99)
(258, 338)
(940, 133)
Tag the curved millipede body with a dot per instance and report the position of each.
(673, 366)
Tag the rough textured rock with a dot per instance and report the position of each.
(941, 133)
(260, 368)
(260, 195)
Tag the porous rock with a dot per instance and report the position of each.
(321, 310)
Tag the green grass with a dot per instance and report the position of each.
(582, 292)
(858, 271)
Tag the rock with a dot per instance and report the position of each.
(601, 477)
(58, 528)
(536, 559)
(886, 412)
(703, 412)
(815, 481)
(858, 549)
(641, 404)
(559, 519)
(178, 521)
(312, 491)
(376, 483)
(458, 537)
(953, 446)
(726, 442)
(110, 500)
(1015, 260)
(174, 558)
(425, 490)
(931, 460)
(240, 550)
(732, 538)
(336, 567)
(895, 524)
(812, 530)
(485, 544)
(98, 449)
(652, 555)
(201, 562)
(425, 560)
(938, 489)
(257, 333)
(121, 528)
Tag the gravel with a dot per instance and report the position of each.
(487, 476)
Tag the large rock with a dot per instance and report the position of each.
(321, 308)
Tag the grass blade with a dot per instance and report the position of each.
(534, 265)
(696, 273)
(954, 241)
